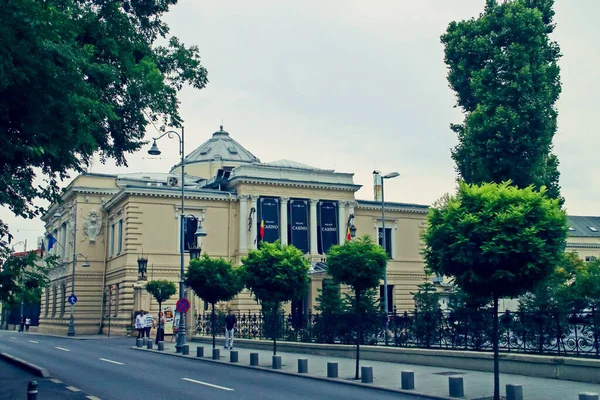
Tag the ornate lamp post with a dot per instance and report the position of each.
(350, 226)
(142, 267)
(85, 264)
(383, 244)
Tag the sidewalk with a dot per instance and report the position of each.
(428, 380)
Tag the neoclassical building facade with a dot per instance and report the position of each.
(111, 221)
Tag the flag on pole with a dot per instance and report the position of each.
(51, 242)
(262, 229)
(348, 235)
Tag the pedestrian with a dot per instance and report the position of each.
(148, 324)
(160, 331)
(22, 325)
(230, 323)
(139, 324)
(27, 323)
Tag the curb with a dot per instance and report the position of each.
(27, 366)
(305, 376)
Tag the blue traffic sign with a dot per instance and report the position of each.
(72, 299)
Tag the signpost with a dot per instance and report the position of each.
(183, 305)
(72, 299)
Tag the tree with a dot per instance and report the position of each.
(275, 274)
(161, 290)
(79, 77)
(495, 239)
(360, 264)
(23, 277)
(504, 70)
(213, 280)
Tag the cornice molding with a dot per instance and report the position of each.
(297, 184)
(168, 193)
(400, 208)
(583, 245)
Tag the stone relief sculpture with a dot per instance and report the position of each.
(92, 226)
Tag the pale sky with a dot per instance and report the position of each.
(353, 85)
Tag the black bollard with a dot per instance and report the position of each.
(32, 390)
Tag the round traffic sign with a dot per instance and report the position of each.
(72, 299)
(183, 305)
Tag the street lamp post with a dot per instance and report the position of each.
(181, 339)
(71, 329)
(383, 244)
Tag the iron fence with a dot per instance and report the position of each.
(551, 333)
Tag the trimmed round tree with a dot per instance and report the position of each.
(360, 264)
(213, 280)
(276, 274)
(495, 240)
(161, 290)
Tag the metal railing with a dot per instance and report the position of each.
(551, 333)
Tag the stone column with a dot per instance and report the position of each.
(313, 227)
(283, 220)
(243, 221)
(253, 231)
(342, 221)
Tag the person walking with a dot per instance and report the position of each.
(27, 324)
(148, 323)
(22, 325)
(230, 323)
(160, 330)
(139, 324)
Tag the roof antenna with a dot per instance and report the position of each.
(221, 123)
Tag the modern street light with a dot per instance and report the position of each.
(154, 151)
(383, 244)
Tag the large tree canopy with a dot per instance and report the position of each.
(79, 77)
(503, 68)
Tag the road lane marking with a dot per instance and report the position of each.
(55, 380)
(12, 337)
(92, 397)
(62, 348)
(32, 341)
(111, 361)
(207, 384)
(73, 389)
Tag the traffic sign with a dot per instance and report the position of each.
(72, 299)
(183, 305)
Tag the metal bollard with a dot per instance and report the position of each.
(276, 362)
(149, 345)
(161, 346)
(185, 349)
(199, 351)
(456, 387)
(332, 370)
(139, 342)
(254, 359)
(588, 396)
(32, 390)
(233, 356)
(514, 392)
(303, 365)
(216, 355)
(366, 374)
(144, 340)
(408, 380)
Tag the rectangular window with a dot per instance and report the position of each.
(47, 310)
(120, 237)
(590, 258)
(390, 291)
(388, 240)
(54, 295)
(111, 241)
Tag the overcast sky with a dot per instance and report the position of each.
(353, 85)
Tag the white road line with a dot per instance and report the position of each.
(207, 384)
(32, 341)
(55, 380)
(12, 337)
(73, 389)
(111, 361)
(92, 397)
(63, 349)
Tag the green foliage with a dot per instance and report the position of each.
(329, 301)
(213, 279)
(161, 289)
(370, 303)
(504, 70)
(275, 273)
(495, 238)
(359, 263)
(79, 77)
(587, 285)
(427, 298)
(22, 278)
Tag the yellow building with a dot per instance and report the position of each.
(111, 221)
(584, 237)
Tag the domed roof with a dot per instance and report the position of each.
(220, 147)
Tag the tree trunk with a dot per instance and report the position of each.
(358, 334)
(496, 355)
(276, 330)
(212, 317)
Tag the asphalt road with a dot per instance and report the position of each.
(109, 369)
